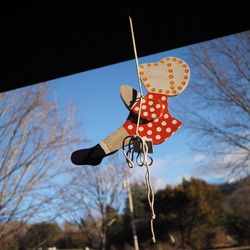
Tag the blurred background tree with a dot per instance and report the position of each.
(220, 87)
(35, 137)
(237, 209)
(42, 234)
(189, 210)
(95, 200)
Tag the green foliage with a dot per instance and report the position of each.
(71, 240)
(43, 234)
(138, 191)
(238, 211)
(122, 226)
(239, 227)
(190, 208)
(198, 215)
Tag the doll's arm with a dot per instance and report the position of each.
(150, 108)
(129, 96)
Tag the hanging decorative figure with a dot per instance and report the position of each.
(163, 79)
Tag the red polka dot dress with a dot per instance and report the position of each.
(158, 124)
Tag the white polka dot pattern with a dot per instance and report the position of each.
(163, 123)
(130, 127)
(158, 129)
(159, 124)
(149, 132)
(141, 128)
(151, 107)
(168, 130)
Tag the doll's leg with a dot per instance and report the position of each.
(93, 156)
(114, 141)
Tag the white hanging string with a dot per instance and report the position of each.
(138, 73)
(143, 155)
(135, 52)
(151, 200)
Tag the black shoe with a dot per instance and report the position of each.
(89, 156)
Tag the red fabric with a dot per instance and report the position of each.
(160, 124)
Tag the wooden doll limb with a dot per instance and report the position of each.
(114, 141)
(94, 156)
(129, 96)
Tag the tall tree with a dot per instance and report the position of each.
(237, 207)
(220, 101)
(190, 209)
(43, 234)
(94, 200)
(34, 139)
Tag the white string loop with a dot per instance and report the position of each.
(142, 159)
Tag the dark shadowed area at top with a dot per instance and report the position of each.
(41, 41)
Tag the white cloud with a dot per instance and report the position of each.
(171, 170)
(162, 162)
(159, 183)
(199, 157)
(166, 171)
(219, 168)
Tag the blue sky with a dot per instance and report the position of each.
(100, 110)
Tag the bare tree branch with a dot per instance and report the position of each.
(94, 199)
(34, 139)
(220, 89)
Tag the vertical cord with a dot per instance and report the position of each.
(135, 52)
(138, 73)
(151, 200)
(150, 192)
